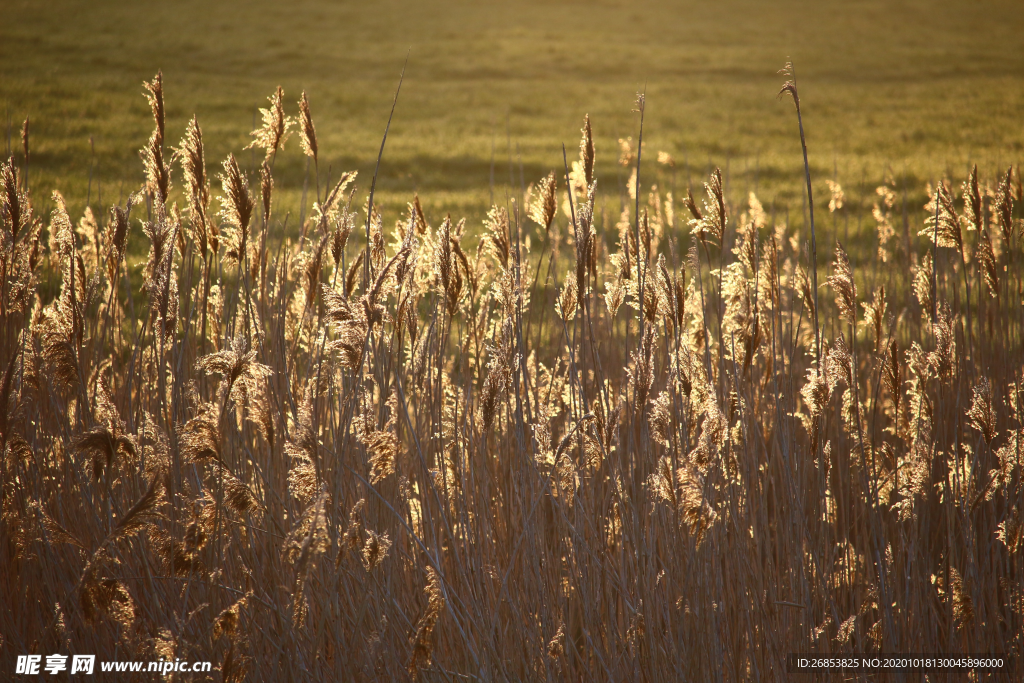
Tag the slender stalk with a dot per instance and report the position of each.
(373, 183)
(641, 276)
(790, 87)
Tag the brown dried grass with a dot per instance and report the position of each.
(450, 467)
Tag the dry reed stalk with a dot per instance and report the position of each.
(790, 87)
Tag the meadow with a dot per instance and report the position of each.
(634, 413)
(914, 89)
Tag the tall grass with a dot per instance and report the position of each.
(555, 452)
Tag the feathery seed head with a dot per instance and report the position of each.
(568, 300)
(587, 151)
(24, 139)
(542, 210)
(237, 206)
(942, 223)
(981, 414)
(874, 314)
(13, 205)
(375, 549)
(155, 96)
(943, 359)
(200, 436)
(275, 129)
(158, 175)
(1003, 209)
(307, 132)
(423, 640)
(842, 282)
(987, 260)
(710, 223)
(193, 167)
(972, 201)
(815, 392)
(497, 236)
(790, 84)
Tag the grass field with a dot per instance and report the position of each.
(583, 439)
(914, 88)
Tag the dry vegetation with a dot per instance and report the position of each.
(551, 454)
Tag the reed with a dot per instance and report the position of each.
(411, 453)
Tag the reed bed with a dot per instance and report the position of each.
(404, 448)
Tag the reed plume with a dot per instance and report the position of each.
(275, 130)
(237, 206)
(307, 131)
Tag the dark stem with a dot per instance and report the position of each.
(373, 183)
(810, 208)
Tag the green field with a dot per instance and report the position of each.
(913, 88)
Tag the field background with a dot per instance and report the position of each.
(910, 88)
